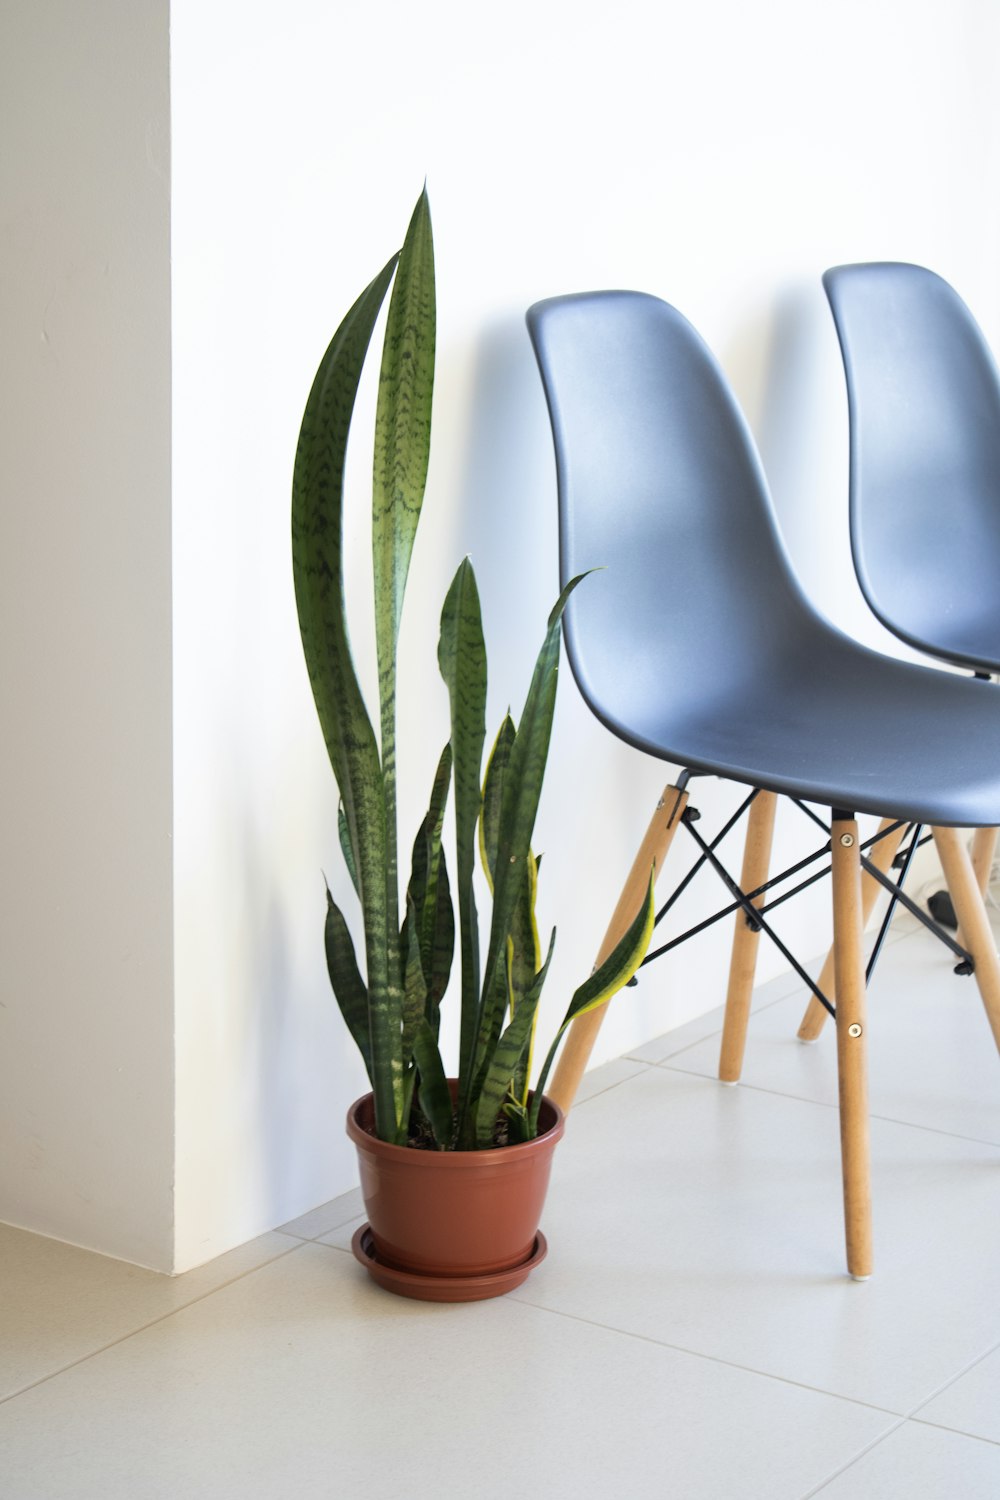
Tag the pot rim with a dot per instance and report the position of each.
(455, 1160)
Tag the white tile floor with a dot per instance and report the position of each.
(691, 1335)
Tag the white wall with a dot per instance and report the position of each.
(86, 994)
(721, 156)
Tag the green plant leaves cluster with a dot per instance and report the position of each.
(393, 1014)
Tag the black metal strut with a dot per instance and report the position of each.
(755, 916)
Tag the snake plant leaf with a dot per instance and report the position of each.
(525, 964)
(522, 785)
(435, 1096)
(507, 1054)
(402, 451)
(462, 660)
(518, 1125)
(436, 918)
(403, 426)
(496, 1004)
(427, 844)
(526, 959)
(409, 1086)
(430, 894)
(414, 986)
(345, 978)
(618, 968)
(442, 945)
(345, 845)
(612, 975)
(489, 817)
(318, 565)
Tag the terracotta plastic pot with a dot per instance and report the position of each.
(452, 1225)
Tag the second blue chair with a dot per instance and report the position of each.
(923, 397)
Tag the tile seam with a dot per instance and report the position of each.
(153, 1322)
(732, 1364)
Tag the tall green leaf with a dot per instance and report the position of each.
(431, 887)
(402, 451)
(526, 959)
(522, 786)
(428, 889)
(489, 817)
(507, 1055)
(318, 564)
(345, 978)
(437, 919)
(415, 987)
(493, 1009)
(525, 964)
(344, 834)
(435, 1096)
(462, 660)
(615, 972)
(440, 943)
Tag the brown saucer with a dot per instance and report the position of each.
(443, 1288)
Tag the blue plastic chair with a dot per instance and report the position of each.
(696, 644)
(923, 397)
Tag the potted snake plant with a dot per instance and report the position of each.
(454, 1168)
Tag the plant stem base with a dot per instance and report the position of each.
(443, 1288)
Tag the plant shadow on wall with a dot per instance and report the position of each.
(487, 1114)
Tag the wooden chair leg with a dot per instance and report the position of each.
(882, 855)
(583, 1032)
(852, 1061)
(984, 842)
(971, 913)
(746, 939)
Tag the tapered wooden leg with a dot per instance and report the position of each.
(984, 842)
(882, 855)
(852, 1062)
(967, 900)
(746, 939)
(582, 1033)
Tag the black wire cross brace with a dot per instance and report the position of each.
(755, 916)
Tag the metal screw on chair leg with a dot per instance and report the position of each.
(847, 839)
(854, 1030)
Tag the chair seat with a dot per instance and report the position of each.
(830, 721)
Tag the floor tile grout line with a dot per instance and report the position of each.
(845, 1468)
(757, 1088)
(144, 1327)
(619, 1083)
(904, 1422)
(947, 1384)
(314, 1239)
(758, 1010)
(716, 1359)
(974, 1437)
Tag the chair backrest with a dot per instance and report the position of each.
(924, 408)
(661, 487)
